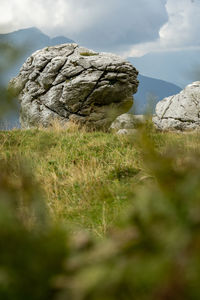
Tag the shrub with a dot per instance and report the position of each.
(33, 248)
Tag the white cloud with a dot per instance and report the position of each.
(180, 32)
(183, 26)
(132, 27)
(106, 24)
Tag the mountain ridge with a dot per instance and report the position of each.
(150, 92)
(179, 67)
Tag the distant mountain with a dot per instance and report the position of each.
(28, 41)
(179, 67)
(33, 38)
(151, 91)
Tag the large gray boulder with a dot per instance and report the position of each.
(72, 83)
(181, 111)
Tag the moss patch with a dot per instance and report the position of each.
(88, 54)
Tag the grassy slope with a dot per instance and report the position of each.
(88, 178)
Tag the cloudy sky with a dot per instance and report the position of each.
(128, 27)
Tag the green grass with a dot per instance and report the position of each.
(88, 178)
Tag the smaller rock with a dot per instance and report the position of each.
(181, 111)
(127, 121)
(127, 131)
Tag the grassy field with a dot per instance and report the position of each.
(93, 215)
(88, 178)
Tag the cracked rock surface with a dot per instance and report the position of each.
(72, 83)
(181, 111)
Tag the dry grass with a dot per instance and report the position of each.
(88, 177)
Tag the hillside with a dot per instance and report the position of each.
(77, 169)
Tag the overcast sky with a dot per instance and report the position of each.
(128, 27)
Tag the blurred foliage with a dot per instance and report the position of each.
(8, 56)
(32, 248)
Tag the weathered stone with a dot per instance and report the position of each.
(127, 131)
(181, 111)
(68, 82)
(127, 121)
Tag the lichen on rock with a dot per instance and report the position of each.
(72, 83)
